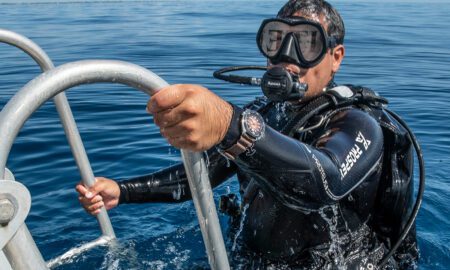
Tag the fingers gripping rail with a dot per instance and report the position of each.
(55, 81)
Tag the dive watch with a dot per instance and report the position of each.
(252, 127)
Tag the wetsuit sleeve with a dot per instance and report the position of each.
(171, 184)
(300, 175)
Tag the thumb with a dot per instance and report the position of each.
(81, 189)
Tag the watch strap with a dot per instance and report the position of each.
(242, 144)
(234, 129)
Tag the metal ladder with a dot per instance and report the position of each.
(16, 241)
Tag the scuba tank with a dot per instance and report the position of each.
(394, 199)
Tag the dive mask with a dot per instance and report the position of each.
(293, 40)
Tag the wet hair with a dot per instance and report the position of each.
(313, 8)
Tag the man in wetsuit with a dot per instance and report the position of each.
(309, 190)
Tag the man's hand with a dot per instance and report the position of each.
(190, 116)
(105, 192)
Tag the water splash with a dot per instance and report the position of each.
(70, 255)
(181, 257)
(176, 194)
(206, 157)
(110, 263)
(335, 250)
(281, 110)
(241, 227)
(120, 254)
(228, 161)
(156, 265)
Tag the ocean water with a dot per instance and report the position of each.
(398, 48)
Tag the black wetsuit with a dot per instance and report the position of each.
(308, 201)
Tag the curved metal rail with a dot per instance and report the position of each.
(67, 120)
(72, 134)
(53, 82)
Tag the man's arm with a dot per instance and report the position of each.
(168, 185)
(171, 184)
(190, 117)
(346, 153)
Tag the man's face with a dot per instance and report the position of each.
(317, 77)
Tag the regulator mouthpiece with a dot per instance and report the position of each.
(278, 84)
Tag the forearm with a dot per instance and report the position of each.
(290, 170)
(171, 184)
(344, 155)
(168, 185)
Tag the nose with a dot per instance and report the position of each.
(288, 51)
(288, 57)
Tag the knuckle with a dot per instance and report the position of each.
(95, 206)
(192, 139)
(190, 90)
(190, 107)
(188, 126)
(195, 88)
(155, 100)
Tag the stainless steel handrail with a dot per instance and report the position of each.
(72, 134)
(67, 120)
(55, 81)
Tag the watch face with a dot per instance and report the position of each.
(253, 124)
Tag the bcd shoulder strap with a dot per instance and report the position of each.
(332, 99)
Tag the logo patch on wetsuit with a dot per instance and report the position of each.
(363, 140)
(354, 154)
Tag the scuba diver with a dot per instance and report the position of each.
(325, 173)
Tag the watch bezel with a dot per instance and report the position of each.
(247, 116)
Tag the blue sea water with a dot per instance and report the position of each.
(399, 48)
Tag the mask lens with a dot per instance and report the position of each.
(310, 40)
(272, 36)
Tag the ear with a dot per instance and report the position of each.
(337, 57)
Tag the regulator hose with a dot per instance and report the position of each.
(220, 74)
